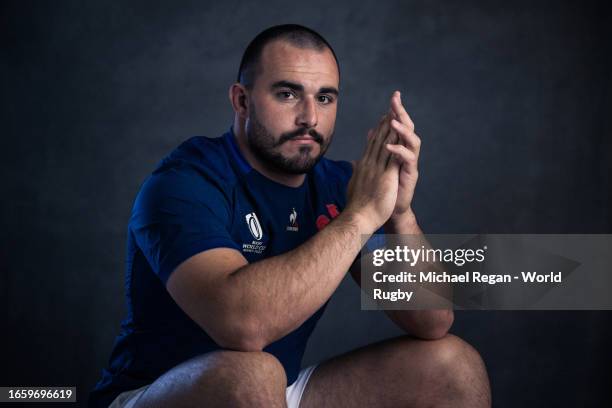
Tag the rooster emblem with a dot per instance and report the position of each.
(293, 217)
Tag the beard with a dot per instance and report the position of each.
(264, 146)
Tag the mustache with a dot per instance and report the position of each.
(285, 137)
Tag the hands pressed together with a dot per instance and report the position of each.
(383, 181)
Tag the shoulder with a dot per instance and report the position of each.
(201, 155)
(197, 171)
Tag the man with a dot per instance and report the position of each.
(236, 244)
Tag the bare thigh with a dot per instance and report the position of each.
(220, 379)
(402, 372)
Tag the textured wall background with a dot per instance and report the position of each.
(512, 101)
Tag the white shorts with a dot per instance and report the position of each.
(293, 392)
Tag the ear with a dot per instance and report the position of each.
(239, 98)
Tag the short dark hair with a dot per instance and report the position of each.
(297, 35)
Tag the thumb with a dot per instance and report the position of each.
(394, 160)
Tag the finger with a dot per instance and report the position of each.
(405, 156)
(399, 111)
(382, 138)
(392, 113)
(392, 138)
(407, 137)
(367, 152)
(375, 143)
(371, 137)
(369, 141)
(387, 156)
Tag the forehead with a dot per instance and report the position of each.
(308, 66)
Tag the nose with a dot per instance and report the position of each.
(307, 116)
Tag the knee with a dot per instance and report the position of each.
(246, 367)
(452, 353)
(461, 371)
(452, 369)
(247, 378)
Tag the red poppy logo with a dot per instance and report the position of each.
(323, 220)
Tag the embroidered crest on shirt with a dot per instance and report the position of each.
(293, 225)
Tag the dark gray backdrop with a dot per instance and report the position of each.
(512, 101)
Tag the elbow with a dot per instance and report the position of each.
(433, 324)
(243, 336)
(244, 344)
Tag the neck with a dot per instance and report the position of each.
(287, 179)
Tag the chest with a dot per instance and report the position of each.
(271, 221)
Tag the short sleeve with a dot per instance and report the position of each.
(177, 214)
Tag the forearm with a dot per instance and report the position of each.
(427, 324)
(276, 295)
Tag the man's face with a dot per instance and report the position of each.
(292, 108)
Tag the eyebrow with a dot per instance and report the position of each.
(300, 88)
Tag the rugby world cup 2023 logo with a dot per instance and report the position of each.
(256, 246)
(254, 226)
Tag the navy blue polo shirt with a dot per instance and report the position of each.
(205, 195)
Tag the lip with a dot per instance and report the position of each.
(303, 139)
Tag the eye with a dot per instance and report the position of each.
(285, 95)
(325, 99)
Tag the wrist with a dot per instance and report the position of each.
(363, 223)
(405, 223)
